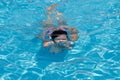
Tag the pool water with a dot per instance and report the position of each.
(95, 56)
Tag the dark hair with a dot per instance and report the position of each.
(56, 33)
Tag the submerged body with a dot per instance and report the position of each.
(61, 36)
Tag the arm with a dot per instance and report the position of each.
(74, 37)
(47, 43)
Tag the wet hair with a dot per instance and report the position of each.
(56, 33)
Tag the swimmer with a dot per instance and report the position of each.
(61, 36)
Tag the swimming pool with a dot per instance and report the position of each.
(95, 56)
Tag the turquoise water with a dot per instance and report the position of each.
(95, 56)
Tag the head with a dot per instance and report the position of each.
(59, 36)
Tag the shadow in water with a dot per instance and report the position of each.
(44, 57)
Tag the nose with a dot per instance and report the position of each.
(62, 40)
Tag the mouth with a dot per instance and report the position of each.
(62, 44)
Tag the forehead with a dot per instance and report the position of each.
(62, 35)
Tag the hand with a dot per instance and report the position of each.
(46, 44)
(74, 37)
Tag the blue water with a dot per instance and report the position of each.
(95, 56)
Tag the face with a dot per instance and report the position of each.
(61, 38)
